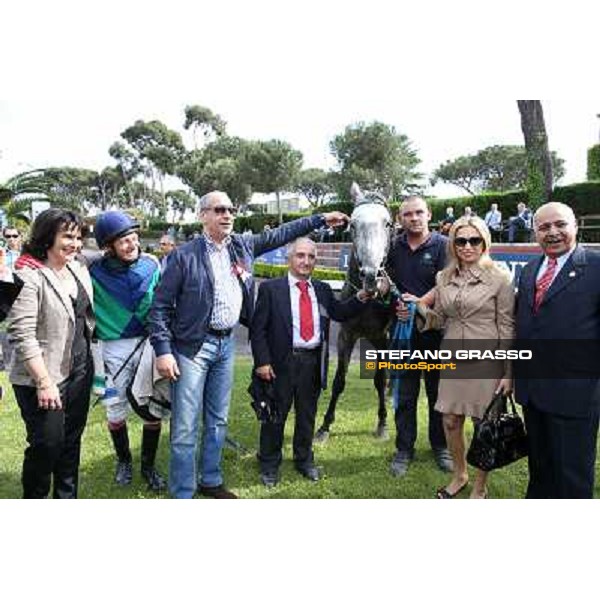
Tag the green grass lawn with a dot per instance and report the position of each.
(355, 464)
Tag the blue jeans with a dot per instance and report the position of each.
(203, 389)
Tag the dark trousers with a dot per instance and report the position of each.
(297, 383)
(562, 455)
(54, 437)
(410, 387)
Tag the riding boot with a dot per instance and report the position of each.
(150, 438)
(124, 470)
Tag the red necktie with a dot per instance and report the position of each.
(307, 328)
(543, 283)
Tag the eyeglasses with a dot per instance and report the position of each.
(11, 235)
(221, 210)
(461, 242)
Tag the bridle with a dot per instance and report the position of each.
(371, 198)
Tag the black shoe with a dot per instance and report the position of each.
(269, 478)
(218, 492)
(400, 464)
(123, 473)
(443, 459)
(156, 482)
(310, 472)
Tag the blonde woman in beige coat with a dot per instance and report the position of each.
(473, 300)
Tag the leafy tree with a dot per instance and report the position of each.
(128, 164)
(221, 165)
(539, 164)
(180, 201)
(315, 185)
(496, 168)
(593, 163)
(202, 119)
(377, 158)
(111, 189)
(72, 188)
(158, 148)
(276, 168)
(19, 191)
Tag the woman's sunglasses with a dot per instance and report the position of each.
(461, 242)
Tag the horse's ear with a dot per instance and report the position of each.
(355, 191)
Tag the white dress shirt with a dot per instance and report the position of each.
(298, 342)
(560, 261)
(227, 300)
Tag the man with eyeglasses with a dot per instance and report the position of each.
(10, 285)
(206, 289)
(166, 245)
(13, 246)
(415, 257)
(558, 316)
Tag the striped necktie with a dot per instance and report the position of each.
(543, 283)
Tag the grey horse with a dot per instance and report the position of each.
(370, 229)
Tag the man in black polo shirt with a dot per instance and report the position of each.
(415, 256)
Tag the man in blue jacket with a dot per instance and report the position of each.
(206, 289)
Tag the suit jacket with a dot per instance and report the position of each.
(183, 302)
(9, 290)
(42, 322)
(570, 310)
(272, 328)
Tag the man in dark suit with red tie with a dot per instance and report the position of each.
(290, 334)
(558, 316)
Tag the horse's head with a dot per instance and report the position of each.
(370, 228)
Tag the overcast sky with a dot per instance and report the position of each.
(74, 75)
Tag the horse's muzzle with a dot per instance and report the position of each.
(369, 279)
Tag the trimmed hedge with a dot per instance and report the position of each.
(593, 163)
(480, 203)
(584, 198)
(271, 271)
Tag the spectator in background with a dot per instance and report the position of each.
(11, 253)
(522, 222)
(447, 222)
(469, 212)
(493, 219)
(13, 241)
(166, 246)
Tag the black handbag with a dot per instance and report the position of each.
(264, 401)
(500, 438)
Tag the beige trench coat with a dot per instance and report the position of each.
(476, 306)
(42, 322)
